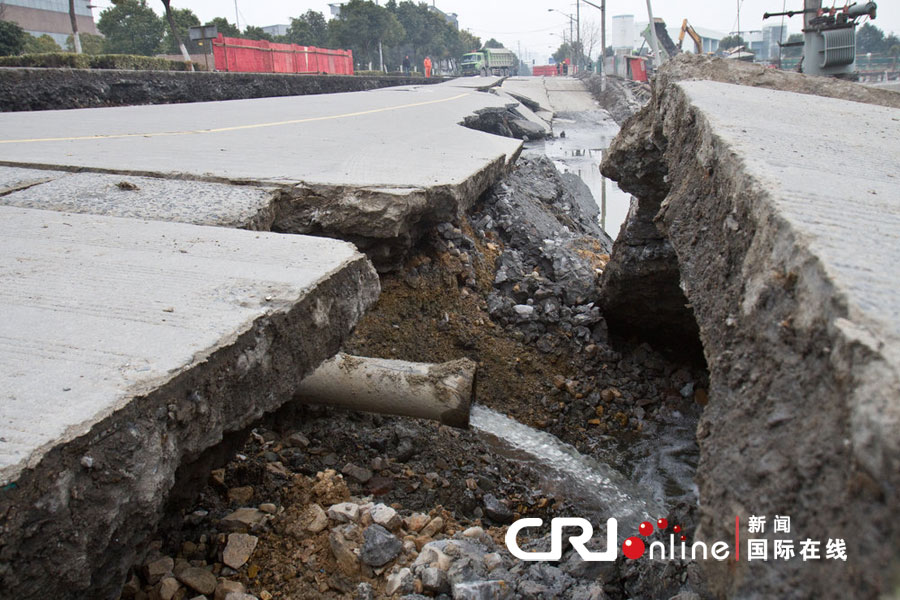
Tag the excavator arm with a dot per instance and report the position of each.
(687, 29)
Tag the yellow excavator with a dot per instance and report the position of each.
(687, 29)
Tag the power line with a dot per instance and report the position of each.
(518, 32)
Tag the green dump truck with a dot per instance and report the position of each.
(489, 61)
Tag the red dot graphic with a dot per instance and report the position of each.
(633, 548)
(663, 524)
(684, 537)
(677, 529)
(645, 528)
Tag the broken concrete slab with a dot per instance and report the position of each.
(640, 289)
(787, 254)
(531, 90)
(154, 198)
(127, 349)
(535, 125)
(403, 149)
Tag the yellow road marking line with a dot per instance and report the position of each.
(234, 128)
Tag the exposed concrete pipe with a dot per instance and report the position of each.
(443, 392)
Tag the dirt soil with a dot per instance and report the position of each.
(686, 67)
(549, 365)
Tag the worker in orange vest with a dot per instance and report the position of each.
(427, 66)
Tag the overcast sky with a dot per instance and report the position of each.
(529, 25)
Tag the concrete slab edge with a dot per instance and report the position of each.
(73, 525)
(788, 371)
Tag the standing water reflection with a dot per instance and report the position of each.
(587, 136)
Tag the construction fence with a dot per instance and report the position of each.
(260, 56)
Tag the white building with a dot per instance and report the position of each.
(451, 18)
(753, 41)
(772, 36)
(276, 30)
(336, 8)
(623, 32)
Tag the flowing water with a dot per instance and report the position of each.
(589, 485)
(654, 471)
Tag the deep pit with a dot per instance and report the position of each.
(596, 426)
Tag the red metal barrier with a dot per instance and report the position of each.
(544, 70)
(260, 56)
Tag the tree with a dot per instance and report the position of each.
(12, 38)
(468, 41)
(173, 30)
(224, 27)
(413, 18)
(590, 38)
(362, 26)
(894, 51)
(731, 41)
(40, 45)
(459, 43)
(309, 29)
(892, 48)
(91, 43)
(492, 43)
(562, 53)
(184, 19)
(131, 27)
(427, 33)
(869, 39)
(253, 32)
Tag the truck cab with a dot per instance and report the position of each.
(473, 64)
(489, 61)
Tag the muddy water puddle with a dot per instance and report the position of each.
(587, 136)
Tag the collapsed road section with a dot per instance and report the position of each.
(376, 168)
(148, 342)
(787, 257)
(127, 349)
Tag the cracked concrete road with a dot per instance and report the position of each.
(394, 137)
(556, 94)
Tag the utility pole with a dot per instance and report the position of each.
(579, 59)
(810, 6)
(602, 31)
(602, 8)
(810, 38)
(237, 16)
(76, 40)
(654, 43)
